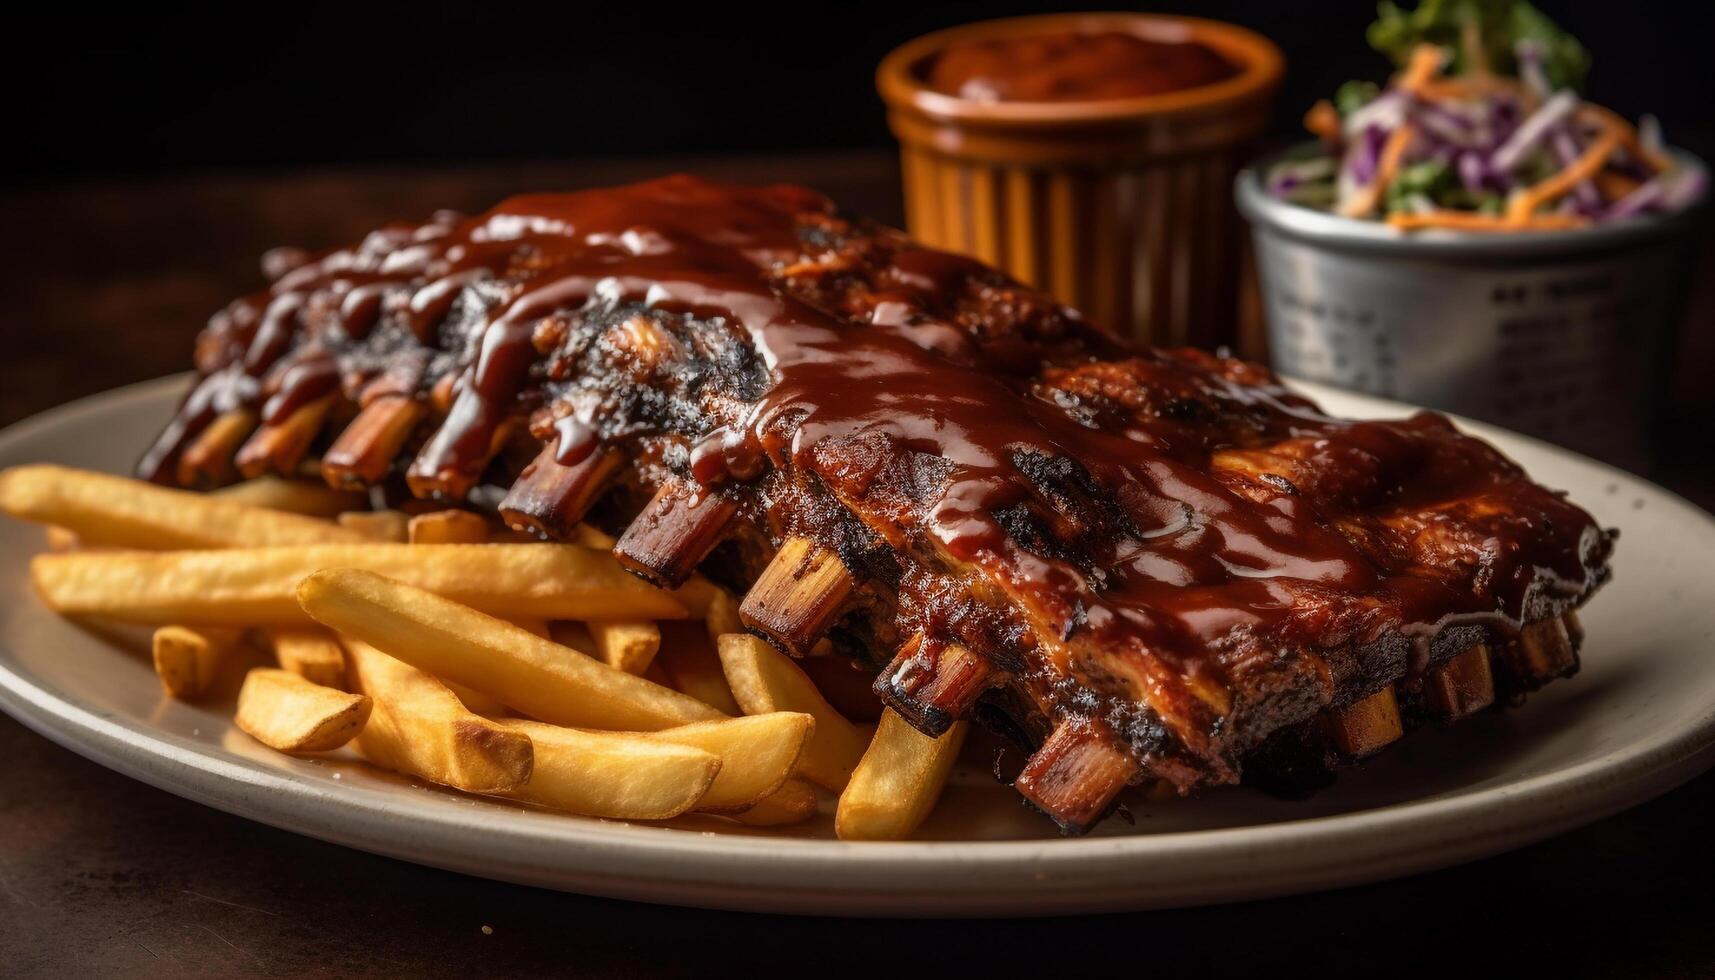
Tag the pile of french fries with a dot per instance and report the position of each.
(445, 648)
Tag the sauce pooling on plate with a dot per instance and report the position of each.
(1074, 67)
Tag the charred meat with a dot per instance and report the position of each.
(1149, 564)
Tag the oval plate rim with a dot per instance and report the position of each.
(944, 878)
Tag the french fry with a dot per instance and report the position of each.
(284, 711)
(477, 701)
(763, 679)
(187, 660)
(258, 586)
(378, 525)
(60, 539)
(722, 615)
(593, 537)
(757, 754)
(698, 596)
(312, 498)
(574, 635)
(794, 802)
(628, 645)
(621, 777)
(535, 627)
(116, 512)
(420, 728)
(540, 678)
(447, 527)
(898, 781)
(313, 654)
(692, 666)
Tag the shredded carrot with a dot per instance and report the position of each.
(1447, 90)
(1323, 120)
(1464, 88)
(1472, 221)
(1615, 185)
(1424, 65)
(1368, 196)
(1526, 201)
(1612, 122)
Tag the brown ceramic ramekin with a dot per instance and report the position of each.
(1120, 207)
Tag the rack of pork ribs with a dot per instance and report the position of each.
(1146, 565)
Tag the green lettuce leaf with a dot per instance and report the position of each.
(1501, 24)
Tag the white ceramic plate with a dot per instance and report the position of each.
(1637, 721)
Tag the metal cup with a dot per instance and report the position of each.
(1564, 335)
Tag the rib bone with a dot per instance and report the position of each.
(550, 498)
(208, 459)
(1075, 775)
(433, 476)
(280, 447)
(1366, 727)
(798, 596)
(935, 687)
(1462, 686)
(1544, 651)
(675, 532)
(365, 452)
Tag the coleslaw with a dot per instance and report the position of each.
(1481, 129)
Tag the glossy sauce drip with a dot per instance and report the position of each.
(1074, 67)
(1159, 550)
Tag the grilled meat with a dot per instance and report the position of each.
(1148, 564)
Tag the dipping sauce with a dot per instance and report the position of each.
(1074, 67)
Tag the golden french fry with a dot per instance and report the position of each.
(537, 627)
(391, 526)
(721, 616)
(477, 701)
(693, 667)
(481, 703)
(794, 802)
(420, 728)
(284, 711)
(538, 677)
(258, 586)
(313, 654)
(897, 782)
(698, 595)
(447, 527)
(757, 754)
(593, 537)
(574, 635)
(621, 777)
(312, 498)
(628, 645)
(60, 539)
(116, 512)
(763, 679)
(187, 660)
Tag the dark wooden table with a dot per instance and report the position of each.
(100, 875)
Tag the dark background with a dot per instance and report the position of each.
(156, 150)
(153, 88)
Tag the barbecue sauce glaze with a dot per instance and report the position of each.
(1074, 67)
(1164, 519)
